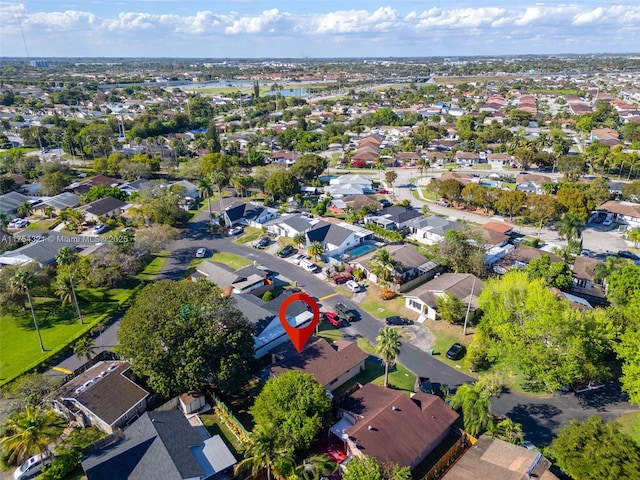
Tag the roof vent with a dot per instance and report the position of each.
(370, 427)
(394, 408)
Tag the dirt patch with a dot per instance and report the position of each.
(419, 336)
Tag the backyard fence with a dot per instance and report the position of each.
(449, 458)
(230, 420)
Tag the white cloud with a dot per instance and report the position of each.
(347, 21)
(266, 21)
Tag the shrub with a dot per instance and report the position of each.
(387, 294)
(358, 274)
(267, 296)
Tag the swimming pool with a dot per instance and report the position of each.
(486, 183)
(361, 250)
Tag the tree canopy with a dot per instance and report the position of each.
(181, 335)
(309, 166)
(296, 406)
(595, 449)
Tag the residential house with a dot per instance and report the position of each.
(337, 238)
(332, 365)
(60, 202)
(161, 444)
(105, 396)
(249, 279)
(290, 225)
(43, 247)
(407, 158)
(135, 186)
(249, 213)
(264, 316)
(499, 160)
(499, 460)
(530, 183)
(103, 208)
(464, 286)
(9, 202)
(283, 157)
(432, 230)
(463, 178)
(467, 158)
(626, 213)
(583, 277)
(338, 206)
(349, 186)
(395, 217)
(80, 188)
(520, 258)
(191, 191)
(391, 427)
(413, 267)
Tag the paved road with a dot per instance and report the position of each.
(541, 417)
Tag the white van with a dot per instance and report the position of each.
(31, 468)
(353, 286)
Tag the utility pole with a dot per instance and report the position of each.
(466, 317)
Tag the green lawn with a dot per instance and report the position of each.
(233, 261)
(59, 326)
(154, 267)
(42, 224)
(329, 332)
(379, 308)
(630, 425)
(216, 426)
(399, 377)
(250, 234)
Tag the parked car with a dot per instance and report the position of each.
(353, 286)
(236, 230)
(263, 242)
(455, 352)
(286, 251)
(341, 278)
(385, 203)
(309, 266)
(396, 320)
(31, 468)
(586, 253)
(201, 252)
(628, 254)
(345, 312)
(99, 228)
(333, 319)
(382, 191)
(300, 258)
(443, 203)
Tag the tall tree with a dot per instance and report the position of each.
(66, 257)
(390, 177)
(450, 308)
(309, 166)
(388, 347)
(569, 226)
(282, 184)
(384, 266)
(300, 239)
(23, 281)
(183, 334)
(511, 202)
(85, 347)
(219, 179)
(475, 405)
(543, 208)
(263, 451)
(296, 406)
(30, 432)
(595, 449)
(204, 186)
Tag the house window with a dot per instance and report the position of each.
(415, 304)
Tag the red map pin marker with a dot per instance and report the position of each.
(299, 336)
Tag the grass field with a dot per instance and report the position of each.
(251, 234)
(59, 327)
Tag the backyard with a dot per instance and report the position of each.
(59, 325)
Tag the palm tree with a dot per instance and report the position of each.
(262, 452)
(25, 209)
(48, 211)
(384, 266)
(509, 431)
(388, 348)
(315, 249)
(4, 220)
(23, 281)
(300, 239)
(85, 347)
(206, 191)
(316, 467)
(603, 269)
(219, 179)
(475, 405)
(67, 257)
(423, 164)
(30, 432)
(569, 226)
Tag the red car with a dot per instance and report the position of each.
(333, 319)
(382, 191)
(341, 278)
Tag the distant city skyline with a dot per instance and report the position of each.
(328, 28)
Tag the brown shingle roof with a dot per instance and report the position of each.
(402, 428)
(498, 227)
(583, 267)
(322, 360)
(524, 254)
(622, 208)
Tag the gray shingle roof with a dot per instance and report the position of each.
(331, 233)
(9, 202)
(63, 200)
(104, 205)
(157, 445)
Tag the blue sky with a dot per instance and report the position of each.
(321, 28)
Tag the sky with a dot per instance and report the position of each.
(315, 28)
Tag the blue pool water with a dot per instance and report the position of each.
(361, 250)
(486, 183)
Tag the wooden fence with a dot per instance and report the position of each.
(230, 420)
(449, 458)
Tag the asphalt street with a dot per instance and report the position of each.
(541, 417)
